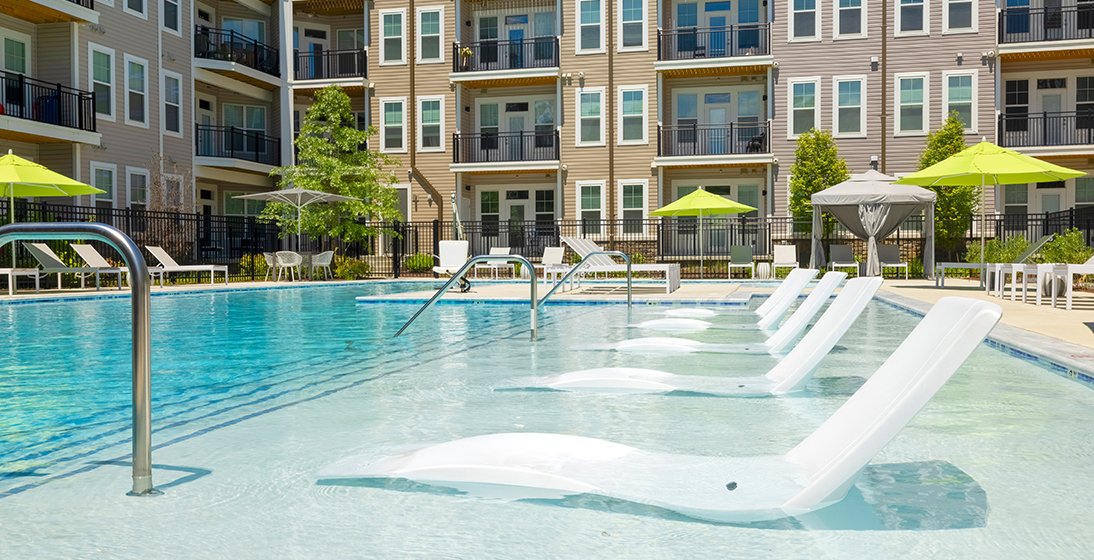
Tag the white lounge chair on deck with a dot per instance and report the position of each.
(95, 260)
(452, 258)
(51, 264)
(889, 255)
(816, 473)
(595, 264)
(841, 256)
(495, 266)
(168, 264)
(786, 256)
(12, 273)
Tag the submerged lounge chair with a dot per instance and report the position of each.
(168, 264)
(51, 264)
(818, 472)
(772, 309)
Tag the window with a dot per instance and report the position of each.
(632, 25)
(250, 28)
(137, 180)
(241, 206)
(430, 36)
(250, 124)
(1016, 198)
(171, 16)
(911, 18)
(1016, 101)
(632, 123)
(102, 177)
(1084, 102)
(960, 96)
(803, 102)
(393, 29)
(590, 122)
(431, 123)
(1084, 192)
(959, 16)
(391, 111)
(805, 21)
(15, 55)
(135, 7)
(545, 123)
(590, 37)
(545, 207)
(849, 17)
(590, 200)
(850, 114)
(172, 103)
(136, 87)
(101, 77)
(632, 205)
(489, 212)
(912, 103)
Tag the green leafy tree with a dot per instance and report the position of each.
(955, 206)
(816, 167)
(330, 160)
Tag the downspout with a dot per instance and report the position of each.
(884, 80)
(609, 123)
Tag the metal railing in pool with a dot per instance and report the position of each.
(466, 267)
(141, 284)
(585, 261)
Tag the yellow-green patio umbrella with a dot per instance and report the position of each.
(987, 164)
(702, 203)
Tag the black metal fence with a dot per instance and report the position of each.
(331, 64)
(225, 44)
(239, 143)
(487, 147)
(513, 54)
(689, 43)
(35, 100)
(89, 4)
(1070, 128)
(1059, 23)
(713, 139)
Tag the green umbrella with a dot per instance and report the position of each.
(21, 178)
(702, 203)
(987, 164)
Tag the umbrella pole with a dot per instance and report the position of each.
(983, 224)
(11, 214)
(700, 244)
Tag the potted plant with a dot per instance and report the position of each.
(465, 58)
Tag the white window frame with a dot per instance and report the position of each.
(126, 60)
(645, 89)
(129, 173)
(383, 126)
(926, 103)
(383, 49)
(577, 28)
(861, 79)
(418, 23)
(619, 28)
(946, 18)
(816, 81)
(790, 38)
(164, 74)
(862, 33)
(974, 125)
(105, 3)
(645, 197)
(27, 41)
(603, 201)
(577, 116)
(143, 15)
(926, 31)
(94, 165)
(163, 17)
(91, 48)
(418, 114)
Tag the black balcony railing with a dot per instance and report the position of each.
(35, 100)
(1046, 129)
(238, 143)
(89, 4)
(713, 42)
(232, 46)
(1024, 25)
(514, 54)
(713, 139)
(331, 64)
(489, 147)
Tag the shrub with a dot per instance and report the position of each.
(420, 262)
(1068, 248)
(351, 269)
(998, 251)
(638, 258)
(253, 265)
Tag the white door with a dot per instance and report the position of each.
(205, 112)
(311, 43)
(516, 209)
(1052, 106)
(515, 137)
(717, 132)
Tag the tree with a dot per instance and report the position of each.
(816, 167)
(168, 184)
(330, 159)
(955, 206)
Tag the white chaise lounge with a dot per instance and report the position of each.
(816, 473)
(52, 264)
(168, 264)
(596, 264)
(95, 260)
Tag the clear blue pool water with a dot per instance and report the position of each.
(254, 392)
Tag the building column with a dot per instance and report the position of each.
(286, 20)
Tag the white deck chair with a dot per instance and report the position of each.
(493, 267)
(596, 264)
(271, 265)
(322, 260)
(788, 376)
(1067, 272)
(452, 258)
(289, 262)
(889, 255)
(740, 256)
(93, 259)
(841, 256)
(168, 264)
(818, 472)
(552, 263)
(51, 264)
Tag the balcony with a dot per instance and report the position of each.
(713, 144)
(505, 151)
(1033, 30)
(232, 147)
(727, 49)
(331, 65)
(535, 58)
(235, 55)
(1065, 133)
(51, 11)
(39, 112)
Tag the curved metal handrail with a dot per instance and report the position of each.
(463, 270)
(141, 284)
(585, 261)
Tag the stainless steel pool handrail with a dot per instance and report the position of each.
(584, 262)
(463, 270)
(141, 285)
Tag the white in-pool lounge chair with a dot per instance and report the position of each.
(603, 263)
(95, 260)
(168, 264)
(51, 264)
(889, 255)
(788, 376)
(452, 258)
(816, 473)
(771, 311)
(786, 256)
(12, 273)
(841, 256)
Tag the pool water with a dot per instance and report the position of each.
(255, 392)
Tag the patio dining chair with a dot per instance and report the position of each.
(271, 265)
(841, 256)
(322, 260)
(289, 262)
(740, 256)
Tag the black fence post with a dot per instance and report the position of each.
(396, 246)
(436, 245)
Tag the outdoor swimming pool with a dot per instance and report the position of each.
(255, 392)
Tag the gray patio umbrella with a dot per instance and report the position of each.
(297, 198)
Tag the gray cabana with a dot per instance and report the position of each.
(872, 208)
